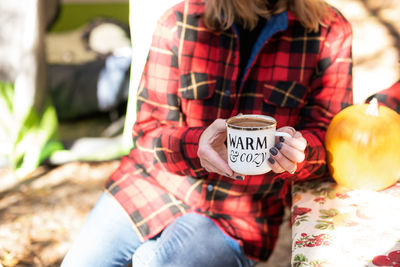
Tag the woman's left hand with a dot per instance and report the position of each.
(288, 151)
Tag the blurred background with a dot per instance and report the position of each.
(66, 108)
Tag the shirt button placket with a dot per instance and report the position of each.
(210, 188)
(205, 205)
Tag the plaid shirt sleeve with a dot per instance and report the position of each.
(331, 88)
(389, 97)
(160, 132)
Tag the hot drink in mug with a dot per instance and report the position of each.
(249, 138)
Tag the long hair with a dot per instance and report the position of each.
(221, 14)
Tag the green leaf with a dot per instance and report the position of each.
(321, 226)
(317, 263)
(36, 140)
(325, 217)
(39, 139)
(330, 213)
(324, 221)
(6, 95)
(332, 194)
(49, 149)
(27, 126)
(33, 138)
(300, 257)
(49, 122)
(300, 260)
(6, 117)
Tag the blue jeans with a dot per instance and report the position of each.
(108, 239)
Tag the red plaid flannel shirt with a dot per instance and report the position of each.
(389, 97)
(301, 78)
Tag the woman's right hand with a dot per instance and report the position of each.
(212, 150)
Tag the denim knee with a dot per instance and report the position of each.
(191, 240)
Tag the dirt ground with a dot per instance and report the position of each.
(40, 217)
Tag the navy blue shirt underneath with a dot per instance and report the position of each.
(247, 39)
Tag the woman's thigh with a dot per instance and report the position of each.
(106, 239)
(191, 240)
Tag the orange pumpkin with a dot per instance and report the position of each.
(363, 147)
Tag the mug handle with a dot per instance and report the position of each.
(282, 134)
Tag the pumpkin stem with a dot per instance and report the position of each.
(372, 108)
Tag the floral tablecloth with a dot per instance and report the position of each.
(335, 226)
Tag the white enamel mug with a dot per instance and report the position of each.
(249, 138)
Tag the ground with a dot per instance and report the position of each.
(40, 217)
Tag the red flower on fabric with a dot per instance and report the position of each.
(319, 200)
(298, 211)
(342, 196)
(392, 259)
(312, 240)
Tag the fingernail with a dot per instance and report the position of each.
(278, 146)
(241, 178)
(281, 139)
(271, 160)
(273, 151)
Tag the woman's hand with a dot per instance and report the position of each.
(212, 150)
(213, 154)
(288, 151)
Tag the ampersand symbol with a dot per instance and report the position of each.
(234, 156)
